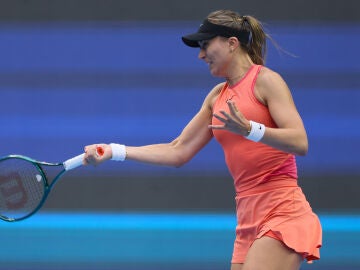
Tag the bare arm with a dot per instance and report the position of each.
(176, 153)
(290, 136)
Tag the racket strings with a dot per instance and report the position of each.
(21, 188)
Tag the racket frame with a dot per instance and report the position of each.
(47, 186)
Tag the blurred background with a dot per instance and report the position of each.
(74, 73)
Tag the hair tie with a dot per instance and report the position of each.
(245, 20)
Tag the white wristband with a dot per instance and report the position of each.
(118, 152)
(257, 131)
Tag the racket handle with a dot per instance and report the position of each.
(74, 162)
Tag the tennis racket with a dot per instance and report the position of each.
(25, 185)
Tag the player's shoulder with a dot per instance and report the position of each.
(215, 91)
(268, 77)
(269, 83)
(217, 88)
(213, 95)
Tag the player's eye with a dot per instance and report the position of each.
(203, 44)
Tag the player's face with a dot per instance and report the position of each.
(216, 53)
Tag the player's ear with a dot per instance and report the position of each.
(233, 43)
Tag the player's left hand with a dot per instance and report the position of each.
(234, 121)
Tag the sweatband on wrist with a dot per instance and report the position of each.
(118, 152)
(257, 131)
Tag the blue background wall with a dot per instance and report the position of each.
(66, 84)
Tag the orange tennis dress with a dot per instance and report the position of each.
(268, 199)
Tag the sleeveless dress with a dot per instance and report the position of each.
(268, 199)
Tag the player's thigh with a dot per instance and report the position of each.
(236, 266)
(267, 253)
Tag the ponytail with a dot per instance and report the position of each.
(256, 47)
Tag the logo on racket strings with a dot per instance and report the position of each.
(12, 191)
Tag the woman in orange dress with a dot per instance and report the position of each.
(253, 117)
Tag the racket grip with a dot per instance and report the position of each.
(74, 162)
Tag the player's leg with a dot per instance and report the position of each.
(268, 253)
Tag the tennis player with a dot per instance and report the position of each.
(253, 116)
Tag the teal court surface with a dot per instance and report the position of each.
(153, 240)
